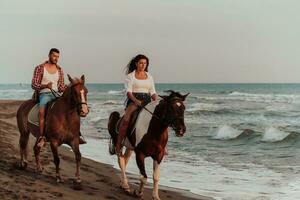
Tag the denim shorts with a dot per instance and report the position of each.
(45, 98)
(145, 97)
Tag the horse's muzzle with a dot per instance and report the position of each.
(180, 132)
(84, 111)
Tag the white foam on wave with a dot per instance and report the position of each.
(291, 186)
(203, 107)
(274, 135)
(110, 102)
(269, 98)
(226, 132)
(98, 118)
(279, 107)
(115, 92)
(100, 111)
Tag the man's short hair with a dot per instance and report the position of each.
(53, 50)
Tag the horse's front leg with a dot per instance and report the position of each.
(54, 146)
(37, 151)
(140, 160)
(123, 161)
(156, 174)
(75, 148)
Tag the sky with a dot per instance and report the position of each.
(187, 41)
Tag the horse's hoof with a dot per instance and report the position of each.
(125, 189)
(137, 194)
(124, 186)
(77, 184)
(59, 180)
(23, 165)
(40, 169)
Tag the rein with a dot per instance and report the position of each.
(168, 120)
(55, 94)
(143, 107)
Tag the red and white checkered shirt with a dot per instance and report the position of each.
(38, 76)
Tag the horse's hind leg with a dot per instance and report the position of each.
(140, 160)
(156, 174)
(23, 142)
(123, 161)
(56, 161)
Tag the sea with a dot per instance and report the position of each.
(242, 140)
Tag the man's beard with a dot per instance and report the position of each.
(52, 62)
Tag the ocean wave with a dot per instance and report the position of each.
(282, 110)
(252, 97)
(98, 119)
(115, 92)
(274, 135)
(203, 107)
(280, 98)
(110, 102)
(14, 90)
(227, 132)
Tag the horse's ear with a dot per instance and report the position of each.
(163, 97)
(70, 78)
(170, 91)
(82, 79)
(184, 96)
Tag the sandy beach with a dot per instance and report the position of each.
(100, 181)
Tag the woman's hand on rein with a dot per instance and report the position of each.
(138, 103)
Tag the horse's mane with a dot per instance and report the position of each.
(172, 95)
(67, 92)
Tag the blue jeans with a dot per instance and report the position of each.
(45, 98)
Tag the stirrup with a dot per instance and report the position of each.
(111, 147)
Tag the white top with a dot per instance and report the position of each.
(47, 77)
(135, 85)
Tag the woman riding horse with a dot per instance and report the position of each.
(140, 90)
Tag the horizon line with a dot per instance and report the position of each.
(179, 83)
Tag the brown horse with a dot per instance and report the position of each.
(149, 137)
(62, 125)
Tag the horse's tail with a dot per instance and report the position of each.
(112, 129)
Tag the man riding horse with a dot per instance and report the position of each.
(48, 78)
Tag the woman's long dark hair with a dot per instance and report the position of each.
(131, 66)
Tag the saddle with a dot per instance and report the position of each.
(33, 115)
(132, 122)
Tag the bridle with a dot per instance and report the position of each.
(171, 119)
(166, 119)
(73, 103)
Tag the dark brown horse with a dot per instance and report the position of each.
(150, 136)
(62, 125)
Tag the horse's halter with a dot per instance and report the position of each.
(77, 105)
(167, 118)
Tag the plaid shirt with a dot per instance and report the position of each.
(38, 76)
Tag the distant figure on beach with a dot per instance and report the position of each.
(140, 90)
(48, 77)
